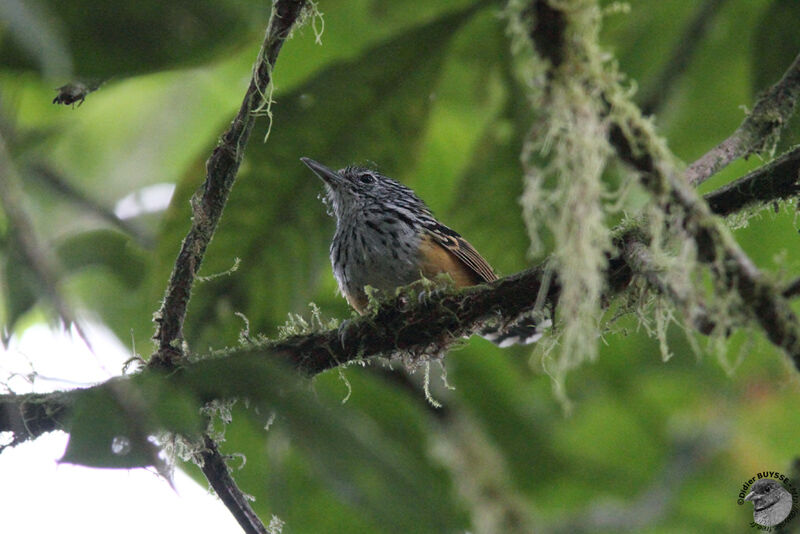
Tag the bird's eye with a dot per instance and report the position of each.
(767, 489)
(366, 178)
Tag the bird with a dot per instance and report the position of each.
(772, 503)
(387, 237)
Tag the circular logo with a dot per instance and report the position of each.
(774, 499)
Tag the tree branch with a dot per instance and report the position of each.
(777, 180)
(793, 289)
(401, 324)
(636, 144)
(638, 256)
(30, 416)
(759, 129)
(217, 472)
(221, 170)
(715, 245)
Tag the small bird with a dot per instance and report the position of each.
(772, 503)
(386, 237)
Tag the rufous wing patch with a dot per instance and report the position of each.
(443, 250)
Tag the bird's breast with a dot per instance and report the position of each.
(371, 252)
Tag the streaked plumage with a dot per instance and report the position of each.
(387, 237)
(772, 503)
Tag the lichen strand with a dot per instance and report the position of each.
(566, 194)
(738, 286)
(584, 114)
(297, 325)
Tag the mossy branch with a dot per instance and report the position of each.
(715, 245)
(207, 206)
(684, 210)
(639, 258)
(777, 180)
(221, 170)
(759, 130)
(430, 323)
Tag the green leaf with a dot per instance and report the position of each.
(102, 434)
(106, 249)
(121, 38)
(20, 288)
(111, 425)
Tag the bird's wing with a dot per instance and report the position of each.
(461, 249)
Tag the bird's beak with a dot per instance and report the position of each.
(330, 177)
(750, 496)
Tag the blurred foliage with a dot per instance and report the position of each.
(425, 91)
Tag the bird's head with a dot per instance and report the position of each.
(354, 189)
(765, 493)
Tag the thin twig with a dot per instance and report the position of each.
(218, 474)
(792, 290)
(758, 131)
(777, 180)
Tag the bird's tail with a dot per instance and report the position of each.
(525, 329)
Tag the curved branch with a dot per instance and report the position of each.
(636, 144)
(715, 246)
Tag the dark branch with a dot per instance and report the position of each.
(218, 474)
(221, 170)
(715, 246)
(759, 130)
(638, 256)
(409, 324)
(633, 141)
(427, 322)
(777, 180)
(792, 290)
(548, 31)
(30, 416)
